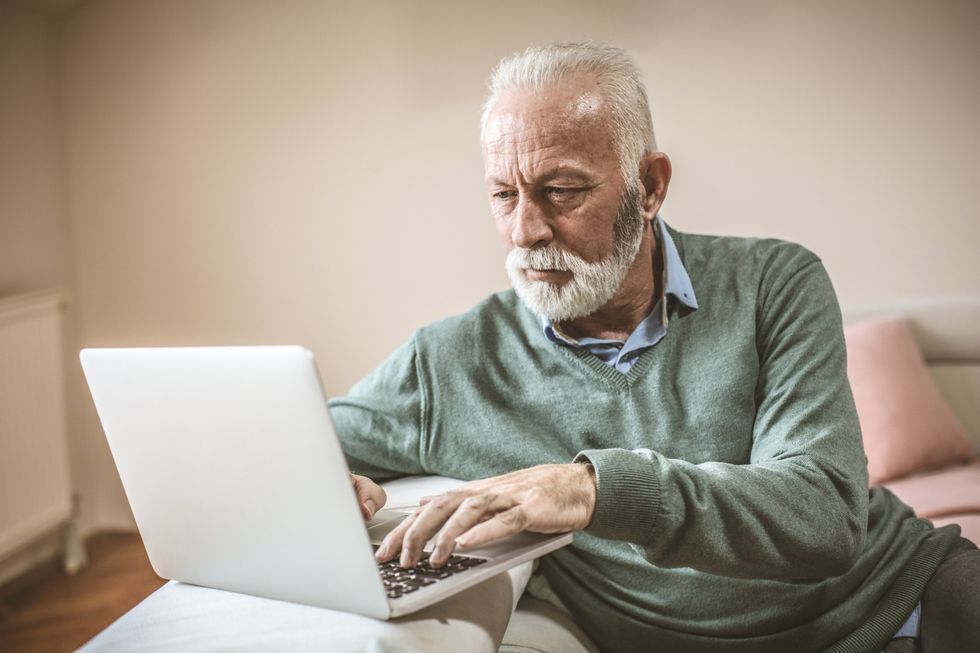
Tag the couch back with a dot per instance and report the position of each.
(948, 333)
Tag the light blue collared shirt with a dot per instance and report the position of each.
(619, 354)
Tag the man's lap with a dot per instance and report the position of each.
(950, 606)
(950, 611)
(951, 603)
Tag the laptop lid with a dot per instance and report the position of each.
(234, 474)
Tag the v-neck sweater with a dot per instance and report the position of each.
(732, 512)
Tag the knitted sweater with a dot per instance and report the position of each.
(732, 510)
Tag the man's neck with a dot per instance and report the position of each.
(634, 300)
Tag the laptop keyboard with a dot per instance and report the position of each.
(399, 580)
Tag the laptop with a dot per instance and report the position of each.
(237, 481)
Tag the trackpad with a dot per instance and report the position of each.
(383, 522)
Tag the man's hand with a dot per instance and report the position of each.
(370, 495)
(542, 499)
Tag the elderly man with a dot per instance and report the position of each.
(679, 400)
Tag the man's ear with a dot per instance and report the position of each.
(655, 170)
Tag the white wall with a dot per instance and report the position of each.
(253, 172)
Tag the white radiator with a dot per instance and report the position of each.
(35, 488)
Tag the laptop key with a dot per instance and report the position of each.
(437, 574)
(399, 580)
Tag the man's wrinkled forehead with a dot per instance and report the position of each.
(524, 118)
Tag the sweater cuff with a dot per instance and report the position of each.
(627, 502)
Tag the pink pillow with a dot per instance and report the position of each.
(906, 425)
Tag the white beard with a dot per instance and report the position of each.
(592, 284)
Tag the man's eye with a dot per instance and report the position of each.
(503, 194)
(560, 190)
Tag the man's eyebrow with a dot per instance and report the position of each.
(565, 171)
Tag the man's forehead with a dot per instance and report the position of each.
(518, 137)
(570, 102)
(525, 120)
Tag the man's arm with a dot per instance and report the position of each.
(379, 422)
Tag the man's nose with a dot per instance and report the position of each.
(531, 226)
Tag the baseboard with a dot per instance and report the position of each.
(50, 548)
(45, 549)
(120, 524)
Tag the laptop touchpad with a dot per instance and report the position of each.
(383, 522)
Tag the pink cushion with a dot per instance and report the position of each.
(969, 526)
(948, 491)
(906, 425)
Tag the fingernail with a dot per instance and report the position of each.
(461, 541)
(371, 506)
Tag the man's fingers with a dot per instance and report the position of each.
(501, 525)
(368, 508)
(392, 544)
(410, 536)
(370, 495)
(430, 519)
(470, 512)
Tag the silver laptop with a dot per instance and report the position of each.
(237, 481)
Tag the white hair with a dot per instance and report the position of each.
(616, 76)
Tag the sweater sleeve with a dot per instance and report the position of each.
(798, 509)
(379, 422)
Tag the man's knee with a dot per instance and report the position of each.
(951, 603)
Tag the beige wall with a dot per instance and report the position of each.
(33, 245)
(255, 172)
(33, 227)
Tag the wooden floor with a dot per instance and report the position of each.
(46, 611)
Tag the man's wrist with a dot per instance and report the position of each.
(589, 487)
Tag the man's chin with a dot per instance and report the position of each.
(543, 300)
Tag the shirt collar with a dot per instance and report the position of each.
(677, 282)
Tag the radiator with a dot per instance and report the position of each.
(35, 488)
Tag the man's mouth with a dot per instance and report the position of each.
(551, 276)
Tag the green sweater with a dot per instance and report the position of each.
(732, 513)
